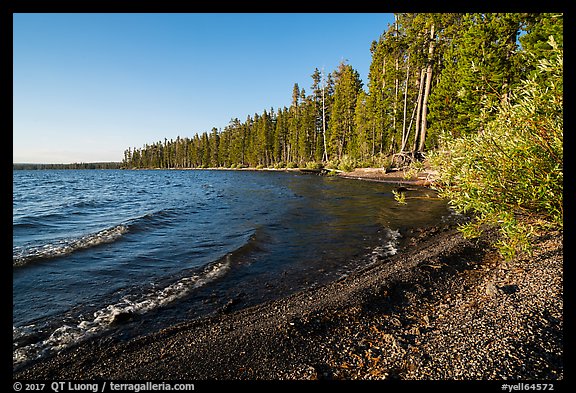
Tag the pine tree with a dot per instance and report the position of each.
(365, 131)
(386, 71)
(224, 149)
(206, 151)
(214, 148)
(535, 42)
(293, 126)
(319, 114)
(376, 99)
(348, 86)
(307, 126)
(480, 70)
(281, 137)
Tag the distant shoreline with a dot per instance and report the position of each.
(77, 165)
(423, 178)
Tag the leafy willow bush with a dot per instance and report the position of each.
(314, 165)
(511, 173)
(346, 163)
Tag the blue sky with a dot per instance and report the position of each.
(88, 86)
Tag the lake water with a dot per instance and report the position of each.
(126, 252)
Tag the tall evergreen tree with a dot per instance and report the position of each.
(348, 86)
(535, 42)
(364, 140)
(294, 125)
(281, 136)
(214, 148)
(377, 97)
(479, 71)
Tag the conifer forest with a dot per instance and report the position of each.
(433, 77)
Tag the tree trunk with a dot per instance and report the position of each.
(373, 139)
(404, 134)
(325, 154)
(393, 139)
(427, 91)
(410, 126)
(392, 143)
(419, 109)
(382, 106)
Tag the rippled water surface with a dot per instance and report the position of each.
(98, 249)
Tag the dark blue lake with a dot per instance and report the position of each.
(151, 248)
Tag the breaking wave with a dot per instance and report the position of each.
(23, 255)
(31, 342)
(388, 247)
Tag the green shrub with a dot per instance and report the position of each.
(332, 164)
(399, 196)
(511, 174)
(410, 173)
(347, 163)
(365, 163)
(314, 165)
(380, 160)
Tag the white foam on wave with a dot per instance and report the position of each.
(67, 246)
(68, 335)
(389, 246)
